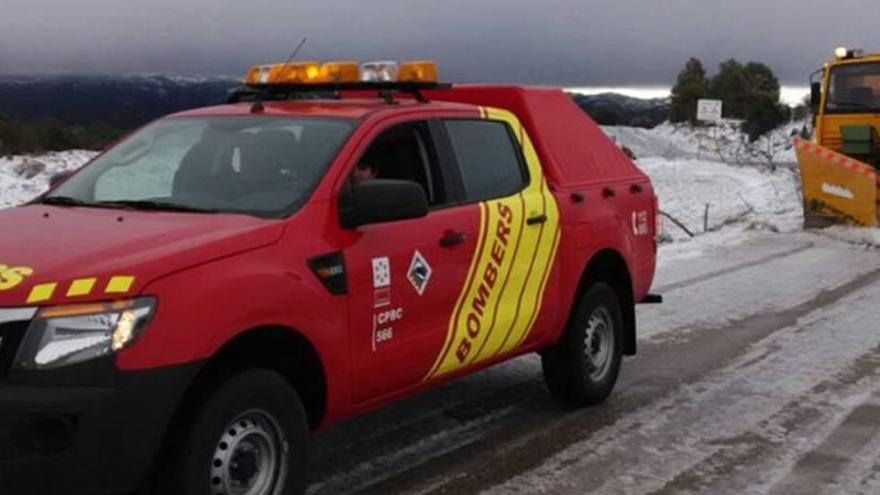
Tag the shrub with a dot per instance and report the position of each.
(50, 135)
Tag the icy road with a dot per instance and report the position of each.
(760, 374)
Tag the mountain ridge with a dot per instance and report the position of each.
(131, 100)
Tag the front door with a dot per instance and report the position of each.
(404, 277)
(467, 284)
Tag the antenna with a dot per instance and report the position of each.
(296, 50)
(258, 103)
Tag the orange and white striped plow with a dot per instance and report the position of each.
(836, 188)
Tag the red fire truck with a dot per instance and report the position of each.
(181, 314)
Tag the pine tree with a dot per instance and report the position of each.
(729, 86)
(761, 81)
(751, 93)
(690, 86)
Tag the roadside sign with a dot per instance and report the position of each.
(709, 110)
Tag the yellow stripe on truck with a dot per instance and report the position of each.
(81, 287)
(119, 285)
(503, 294)
(42, 292)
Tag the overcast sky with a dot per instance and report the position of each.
(567, 42)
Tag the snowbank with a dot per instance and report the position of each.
(709, 196)
(712, 179)
(854, 235)
(15, 189)
(693, 169)
(722, 143)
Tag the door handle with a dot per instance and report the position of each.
(452, 239)
(635, 188)
(608, 192)
(537, 220)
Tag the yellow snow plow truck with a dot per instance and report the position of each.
(839, 169)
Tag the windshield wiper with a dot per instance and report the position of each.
(126, 204)
(856, 104)
(65, 201)
(154, 205)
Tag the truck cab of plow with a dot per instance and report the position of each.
(839, 169)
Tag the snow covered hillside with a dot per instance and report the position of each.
(708, 184)
(23, 178)
(707, 197)
(720, 188)
(724, 143)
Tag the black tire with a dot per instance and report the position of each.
(246, 414)
(572, 378)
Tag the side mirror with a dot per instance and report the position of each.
(382, 200)
(58, 178)
(815, 94)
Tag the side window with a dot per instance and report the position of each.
(404, 152)
(490, 163)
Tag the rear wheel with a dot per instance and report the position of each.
(583, 367)
(249, 438)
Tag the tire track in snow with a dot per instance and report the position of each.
(732, 269)
(363, 452)
(779, 441)
(649, 450)
(760, 289)
(827, 463)
(863, 475)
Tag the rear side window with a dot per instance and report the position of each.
(489, 160)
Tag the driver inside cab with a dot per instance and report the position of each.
(363, 172)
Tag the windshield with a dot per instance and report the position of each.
(265, 166)
(854, 88)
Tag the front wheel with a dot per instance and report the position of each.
(249, 438)
(582, 368)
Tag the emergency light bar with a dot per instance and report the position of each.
(844, 53)
(379, 71)
(342, 73)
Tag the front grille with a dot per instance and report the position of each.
(11, 335)
(13, 325)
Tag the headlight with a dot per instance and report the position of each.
(64, 335)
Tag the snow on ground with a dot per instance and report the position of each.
(746, 188)
(759, 374)
(721, 143)
(715, 199)
(16, 189)
(706, 196)
(853, 235)
(806, 267)
(790, 95)
(739, 430)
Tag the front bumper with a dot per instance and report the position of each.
(88, 428)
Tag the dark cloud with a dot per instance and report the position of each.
(552, 41)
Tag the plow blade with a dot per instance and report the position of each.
(836, 188)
